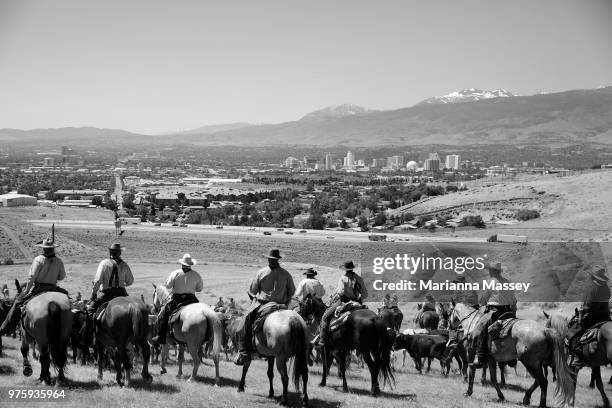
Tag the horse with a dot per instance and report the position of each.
(392, 317)
(47, 320)
(197, 324)
(595, 354)
(82, 336)
(443, 313)
(427, 320)
(5, 306)
(311, 310)
(365, 332)
(530, 343)
(284, 335)
(124, 323)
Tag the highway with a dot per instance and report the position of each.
(287, 233)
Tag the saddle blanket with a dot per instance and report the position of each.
(342, 313)
(501, 328)
(412, 332)
(590, 335)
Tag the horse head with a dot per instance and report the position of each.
(160, 296)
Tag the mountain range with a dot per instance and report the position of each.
(482, 117)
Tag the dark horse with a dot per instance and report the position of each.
(125, 321)
(595, 354)
(5, 306)
(366, 333)
(311, 310)
(392, 317)
(427, 320)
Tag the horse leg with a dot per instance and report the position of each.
(245, 368)
(25, 350)
(404, 352)
(146, 356)
(341, 359)
(100, 353)
(270, 373)
(592, 382)
(326, 365)
(118, 360)
(471, 375)
(483, 379)
(164, 356)
(596, 371)
(281, 366)
(428, 365)
(45, 363)
(127, 366)
(502, 375)
(537, 372)
(181, 357)
(194, 350)
(374, 371)
(493, 375)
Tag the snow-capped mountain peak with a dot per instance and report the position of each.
(468, 95)
(337, 111)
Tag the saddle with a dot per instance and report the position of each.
(502, 328)
(98, 315)
(590, 335)
(342, 313)
(263, 312)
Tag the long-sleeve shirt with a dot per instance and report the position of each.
(596, 298)
(272, 285)
(47, 270)
(495, 297)
(309, 286)
(105, 271)
(351, 286)
(181, 282)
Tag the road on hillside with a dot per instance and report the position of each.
(286, 233)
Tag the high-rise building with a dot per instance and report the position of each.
(395, 162)
(329, 161)
(49, 161)
(432, 165)
(452, 162)
(434, 156)
(291, 162)
(350, 159)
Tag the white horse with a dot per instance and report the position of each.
(197, 324)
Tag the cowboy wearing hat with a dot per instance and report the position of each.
(46, 270)
(310, 286)
(466, 296)
(182, 284)
(271, 284)
(113, 275)
(594, 309)
(501, 302)
(350, 288)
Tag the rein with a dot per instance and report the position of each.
(464, 319)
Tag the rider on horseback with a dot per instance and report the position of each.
(594, 310)
(501, 302)
(113, 274)
(183, 284)
(271, 284)
(310, 286)
(46, 270)
(350, 288)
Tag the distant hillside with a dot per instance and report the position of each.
(579, 116)
(210, 129)
(468, 95)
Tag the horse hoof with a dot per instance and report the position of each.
(271, 395)
(163, 371)
(467, 394)
(147, 378)
(321, 384)
(240, 389)
(27, 371)
(501, 399)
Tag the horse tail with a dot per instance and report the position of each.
(217, 331)
(57, 343)
(298, 343)
(383, 354)
(565, 386)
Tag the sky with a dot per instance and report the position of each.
(156, 66)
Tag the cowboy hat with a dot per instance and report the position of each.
(47, 243)
(274, 254)
(497, 267)
(348, 266)
(311, 272)
(599, 273)
(115, 247)
(187, 260)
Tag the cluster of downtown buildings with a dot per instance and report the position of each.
(392, 163)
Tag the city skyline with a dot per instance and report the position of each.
(163, 69)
